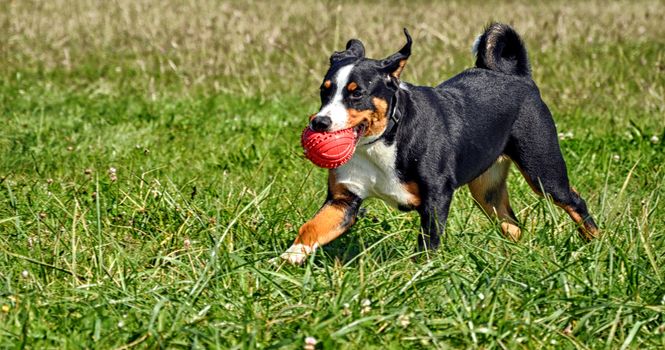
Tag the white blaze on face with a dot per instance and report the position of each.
(335, 108)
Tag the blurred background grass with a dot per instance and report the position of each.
(583, 53)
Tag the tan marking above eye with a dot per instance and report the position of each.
(327, 84)
(352, 86)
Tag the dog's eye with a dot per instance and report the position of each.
(357, 93)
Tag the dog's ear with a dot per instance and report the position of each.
(354, 48)
(394, 64)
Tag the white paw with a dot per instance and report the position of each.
(297, 253)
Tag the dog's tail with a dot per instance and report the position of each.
(500, 48)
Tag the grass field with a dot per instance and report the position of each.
(150, 168)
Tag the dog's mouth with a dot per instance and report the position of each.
(359, 130)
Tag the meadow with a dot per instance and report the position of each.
(150, 169)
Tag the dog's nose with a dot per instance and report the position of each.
(320, 123)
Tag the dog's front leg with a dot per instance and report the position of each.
(334, 218)
(433, 216)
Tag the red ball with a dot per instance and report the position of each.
(329, 149)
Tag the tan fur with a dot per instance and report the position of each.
(585, 231)
(399, 69)
(492, 35)
(493, 182)
(324, 227)
(328, 223)
(327, 84)
(337, 190)
(376, 119)
(352, 86)
(413, 189)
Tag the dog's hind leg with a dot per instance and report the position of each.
(534, 147)
(490, 192)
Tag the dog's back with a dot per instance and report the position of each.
(474, 111)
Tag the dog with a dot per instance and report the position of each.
(416, 145)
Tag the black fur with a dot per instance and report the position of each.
(507, 51)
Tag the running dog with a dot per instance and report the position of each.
(416, 144)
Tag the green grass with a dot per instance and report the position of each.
(199, 109)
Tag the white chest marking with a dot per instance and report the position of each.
(371, 173)
(335, 108)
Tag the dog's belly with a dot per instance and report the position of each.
(371, 173)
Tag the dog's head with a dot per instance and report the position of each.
(356, 91)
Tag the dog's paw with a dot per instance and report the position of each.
(297, 253)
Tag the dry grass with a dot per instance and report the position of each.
(242, 46)
(270, 49)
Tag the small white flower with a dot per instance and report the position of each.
(565, 136)
(481, 296)
(404, 320)
(187, 243)
(346, 311)
(121, 324)
(366, 306)
(616, 157)
(310, 343)
(112, 174)
(654, 139)
(24, 273)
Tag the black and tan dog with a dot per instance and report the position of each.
(418, 144)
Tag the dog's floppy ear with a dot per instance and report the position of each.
(394, 64)
(354, 48)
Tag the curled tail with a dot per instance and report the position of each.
(500, 48)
